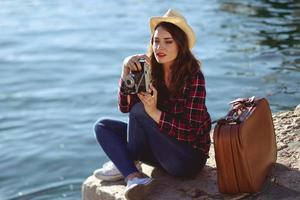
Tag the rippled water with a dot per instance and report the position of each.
(60, 63)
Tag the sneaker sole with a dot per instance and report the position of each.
(139, 192)
(109, 178)
(114, 178)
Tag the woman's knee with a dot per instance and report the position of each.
(99, 126)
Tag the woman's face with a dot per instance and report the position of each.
(164, 46)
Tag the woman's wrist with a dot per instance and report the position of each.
(125, 72)
(155, 115)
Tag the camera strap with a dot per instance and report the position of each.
(138, 85)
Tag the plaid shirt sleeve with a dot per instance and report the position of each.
(125, 102)
(194, 120)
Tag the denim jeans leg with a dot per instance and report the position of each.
(177, 158)
(111, 135)
(138, 144)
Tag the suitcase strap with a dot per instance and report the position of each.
(241, 108)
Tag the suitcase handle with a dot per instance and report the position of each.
(243, 101)
(241, 108)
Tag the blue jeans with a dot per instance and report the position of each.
(145, 143)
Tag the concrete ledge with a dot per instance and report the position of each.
(284, 183)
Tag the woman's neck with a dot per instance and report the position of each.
(167, 75)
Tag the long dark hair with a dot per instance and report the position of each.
(184, 65)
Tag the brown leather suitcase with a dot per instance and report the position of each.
(245, 146)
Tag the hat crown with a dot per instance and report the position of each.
(174, 13)
(174, 17)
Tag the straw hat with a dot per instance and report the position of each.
(174, 17)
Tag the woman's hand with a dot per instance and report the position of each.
(131, 63)
(150, 103)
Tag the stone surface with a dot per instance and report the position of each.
(283, 184)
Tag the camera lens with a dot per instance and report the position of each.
(129, 81)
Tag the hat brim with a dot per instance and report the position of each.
(154, 21)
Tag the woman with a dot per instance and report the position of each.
(169, 125)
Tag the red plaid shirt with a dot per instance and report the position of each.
(183, 117)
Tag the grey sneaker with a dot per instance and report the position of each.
(138, 188)
(109, 172)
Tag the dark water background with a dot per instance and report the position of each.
(60, 62)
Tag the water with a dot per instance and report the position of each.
(60, 62)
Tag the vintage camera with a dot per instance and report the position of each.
(138, 81)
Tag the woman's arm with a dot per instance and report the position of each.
(125, 102)
(130, 63)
